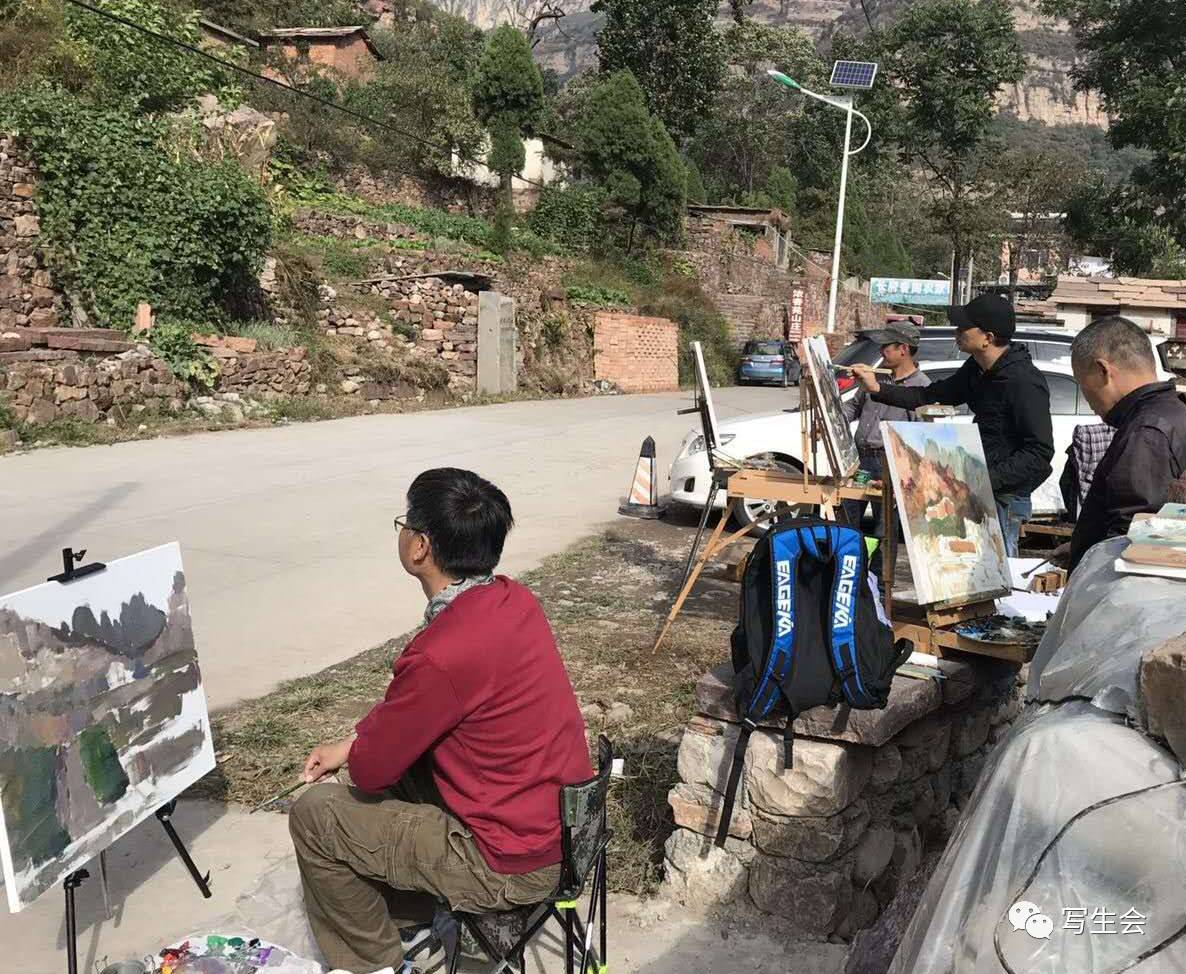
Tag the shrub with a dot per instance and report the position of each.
(569, 216)
(598, 296)
(174, 342)
(681, 300)
(270, 335)
(122, 222)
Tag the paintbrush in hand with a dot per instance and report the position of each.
(848, 368)
(275, 798)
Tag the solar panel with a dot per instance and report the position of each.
(853, 74)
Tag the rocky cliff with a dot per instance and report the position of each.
(1046, 94)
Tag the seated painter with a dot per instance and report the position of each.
(457, 771)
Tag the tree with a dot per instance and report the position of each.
(628, 152)
(946, 60)
(672, 49)
(1135, 57)
(1031, 188)
(696, 191)
(755, 125)
(508, 100)
(424, 86)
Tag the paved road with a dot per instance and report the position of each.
(286, 532)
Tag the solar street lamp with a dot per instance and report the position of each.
(852, 76)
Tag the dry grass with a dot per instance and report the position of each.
(605, 597)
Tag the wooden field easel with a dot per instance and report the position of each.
(783, 490)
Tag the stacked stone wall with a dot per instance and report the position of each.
(27, 294)
(827, 842)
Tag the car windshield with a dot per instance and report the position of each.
(763, 348)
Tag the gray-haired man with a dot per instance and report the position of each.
(1114, 365)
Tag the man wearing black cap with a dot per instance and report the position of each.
(1008, 397)
(899, 344)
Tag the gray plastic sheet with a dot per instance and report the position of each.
(1106, 620)
(1070, 857)
(1019, 841)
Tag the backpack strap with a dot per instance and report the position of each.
(786, 547)
(847, 585)
(747, 728)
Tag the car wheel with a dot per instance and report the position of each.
(750, 509)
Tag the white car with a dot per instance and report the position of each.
(777, 439)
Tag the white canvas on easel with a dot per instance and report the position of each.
(712, 433)
(105, 717)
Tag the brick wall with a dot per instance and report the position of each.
(635, 353)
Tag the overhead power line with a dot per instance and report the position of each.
(325, 102)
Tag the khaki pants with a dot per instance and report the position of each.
(371, 864)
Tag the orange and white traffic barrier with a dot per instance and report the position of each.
(643, 498)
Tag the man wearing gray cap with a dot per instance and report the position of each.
(899, 344)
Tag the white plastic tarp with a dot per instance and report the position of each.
(1105, 621)
(1019, 841)
(1078, 816)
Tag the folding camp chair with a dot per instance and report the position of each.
(584, 836)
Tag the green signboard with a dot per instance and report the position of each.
(904, 290)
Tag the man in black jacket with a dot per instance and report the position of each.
(1008, 397)
(1114, 365)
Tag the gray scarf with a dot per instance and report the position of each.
(436, 605)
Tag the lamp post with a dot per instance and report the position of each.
(845, 104)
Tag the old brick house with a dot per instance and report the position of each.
(345, 50)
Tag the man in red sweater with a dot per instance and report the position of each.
(457, 771)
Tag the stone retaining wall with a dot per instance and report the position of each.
(27, 295)
(64, 373)
(828, 843)
(428, 318)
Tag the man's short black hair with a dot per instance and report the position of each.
(1114, 339)
(465, 517)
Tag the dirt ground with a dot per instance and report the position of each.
(606, 597)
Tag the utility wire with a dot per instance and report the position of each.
(155, 35)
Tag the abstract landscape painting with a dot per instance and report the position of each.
(944, 494)
(836, 429)
(102, 715)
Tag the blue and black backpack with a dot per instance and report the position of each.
(811, 633)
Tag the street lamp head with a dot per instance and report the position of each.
(783, 79)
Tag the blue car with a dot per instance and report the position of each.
(769, 361)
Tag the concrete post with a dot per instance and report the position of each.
(497, 344)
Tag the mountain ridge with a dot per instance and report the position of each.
(1046, 94)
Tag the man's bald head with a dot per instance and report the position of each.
(1110, 358)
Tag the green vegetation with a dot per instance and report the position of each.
(672, 48)
(625, 151)
(508, 99)
(945, 61)
(1134, 54)
(174, 342)
(602, 297)
(130, 210)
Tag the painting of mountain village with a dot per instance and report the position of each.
(102, 715)
(944, 495)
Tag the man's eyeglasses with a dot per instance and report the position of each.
(402, 522)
